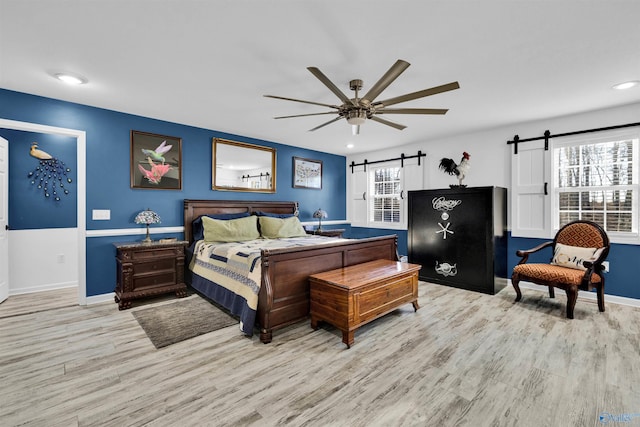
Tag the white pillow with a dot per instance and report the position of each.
(573, 256)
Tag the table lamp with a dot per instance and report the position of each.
(320, 214)
(147, 217)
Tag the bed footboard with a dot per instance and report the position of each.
(284, 292)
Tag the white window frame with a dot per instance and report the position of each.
(371, 205)
(361, 209)
(632, 237)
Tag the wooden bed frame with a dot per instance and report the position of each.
(284, 291)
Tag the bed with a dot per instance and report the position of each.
(283, 294)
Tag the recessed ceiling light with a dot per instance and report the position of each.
(71, 78)
(626, 85)
(349, 145)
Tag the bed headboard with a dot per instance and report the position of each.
(195, 208)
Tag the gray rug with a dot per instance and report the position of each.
(186, 318)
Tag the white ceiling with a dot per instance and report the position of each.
(208, 63)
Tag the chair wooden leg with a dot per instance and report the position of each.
(552, 292)
(572, 297)
(515, 279)
(600, 291)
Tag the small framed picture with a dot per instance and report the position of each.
(307, 173)
(156, 161)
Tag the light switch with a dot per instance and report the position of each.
(101, 214)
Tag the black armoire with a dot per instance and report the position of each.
(459, 236)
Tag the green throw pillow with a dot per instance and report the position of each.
(274, 228)
(231, 230)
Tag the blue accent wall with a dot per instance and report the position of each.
(108, 172)
(621, 281)
(29, 205)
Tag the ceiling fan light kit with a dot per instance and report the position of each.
(358, 110)
(356, 116)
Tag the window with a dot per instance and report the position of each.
(596, 182)
(386, 204)
(591, 176)
(379, 194)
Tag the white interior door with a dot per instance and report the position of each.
(4, 213)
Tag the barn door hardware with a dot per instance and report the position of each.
(402, 158)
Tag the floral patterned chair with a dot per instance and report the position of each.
(579, 248)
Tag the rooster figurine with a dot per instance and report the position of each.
(460, 170)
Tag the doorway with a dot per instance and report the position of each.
(80, 185)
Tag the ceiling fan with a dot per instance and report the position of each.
(358, 110)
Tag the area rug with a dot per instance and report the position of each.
(178, 321)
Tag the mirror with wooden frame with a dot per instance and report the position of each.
(238, 166)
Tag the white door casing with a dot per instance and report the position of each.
(81, 138)
(4, 214)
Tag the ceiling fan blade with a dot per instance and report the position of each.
(388, 123)
(412, 111)
(327, 123)
(300, 100)
(305, 115)
(388, 78)
(419, 94)
(333, 88)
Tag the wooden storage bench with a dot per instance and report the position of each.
(351, 296)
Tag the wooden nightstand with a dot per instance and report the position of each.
(149, 269)
(334, 232)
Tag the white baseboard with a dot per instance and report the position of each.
(97, 299)
(42, 288)
(586, 295)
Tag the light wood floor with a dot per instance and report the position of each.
(39, 301)
(464, 359)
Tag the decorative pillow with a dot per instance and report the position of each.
(230, 230)
(274, 215)
(274, 228)
(573, 256)
(196, 224)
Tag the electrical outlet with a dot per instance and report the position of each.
(60, 258)
(605, 264)
(101, 215)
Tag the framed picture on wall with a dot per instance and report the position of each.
(307, 173)
(156, 161)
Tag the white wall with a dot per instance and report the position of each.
(51, 263)
(490, 155)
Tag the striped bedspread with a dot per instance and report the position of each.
(230, 273)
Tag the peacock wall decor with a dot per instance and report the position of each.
(51, 174)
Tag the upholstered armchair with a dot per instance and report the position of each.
(578, 249)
